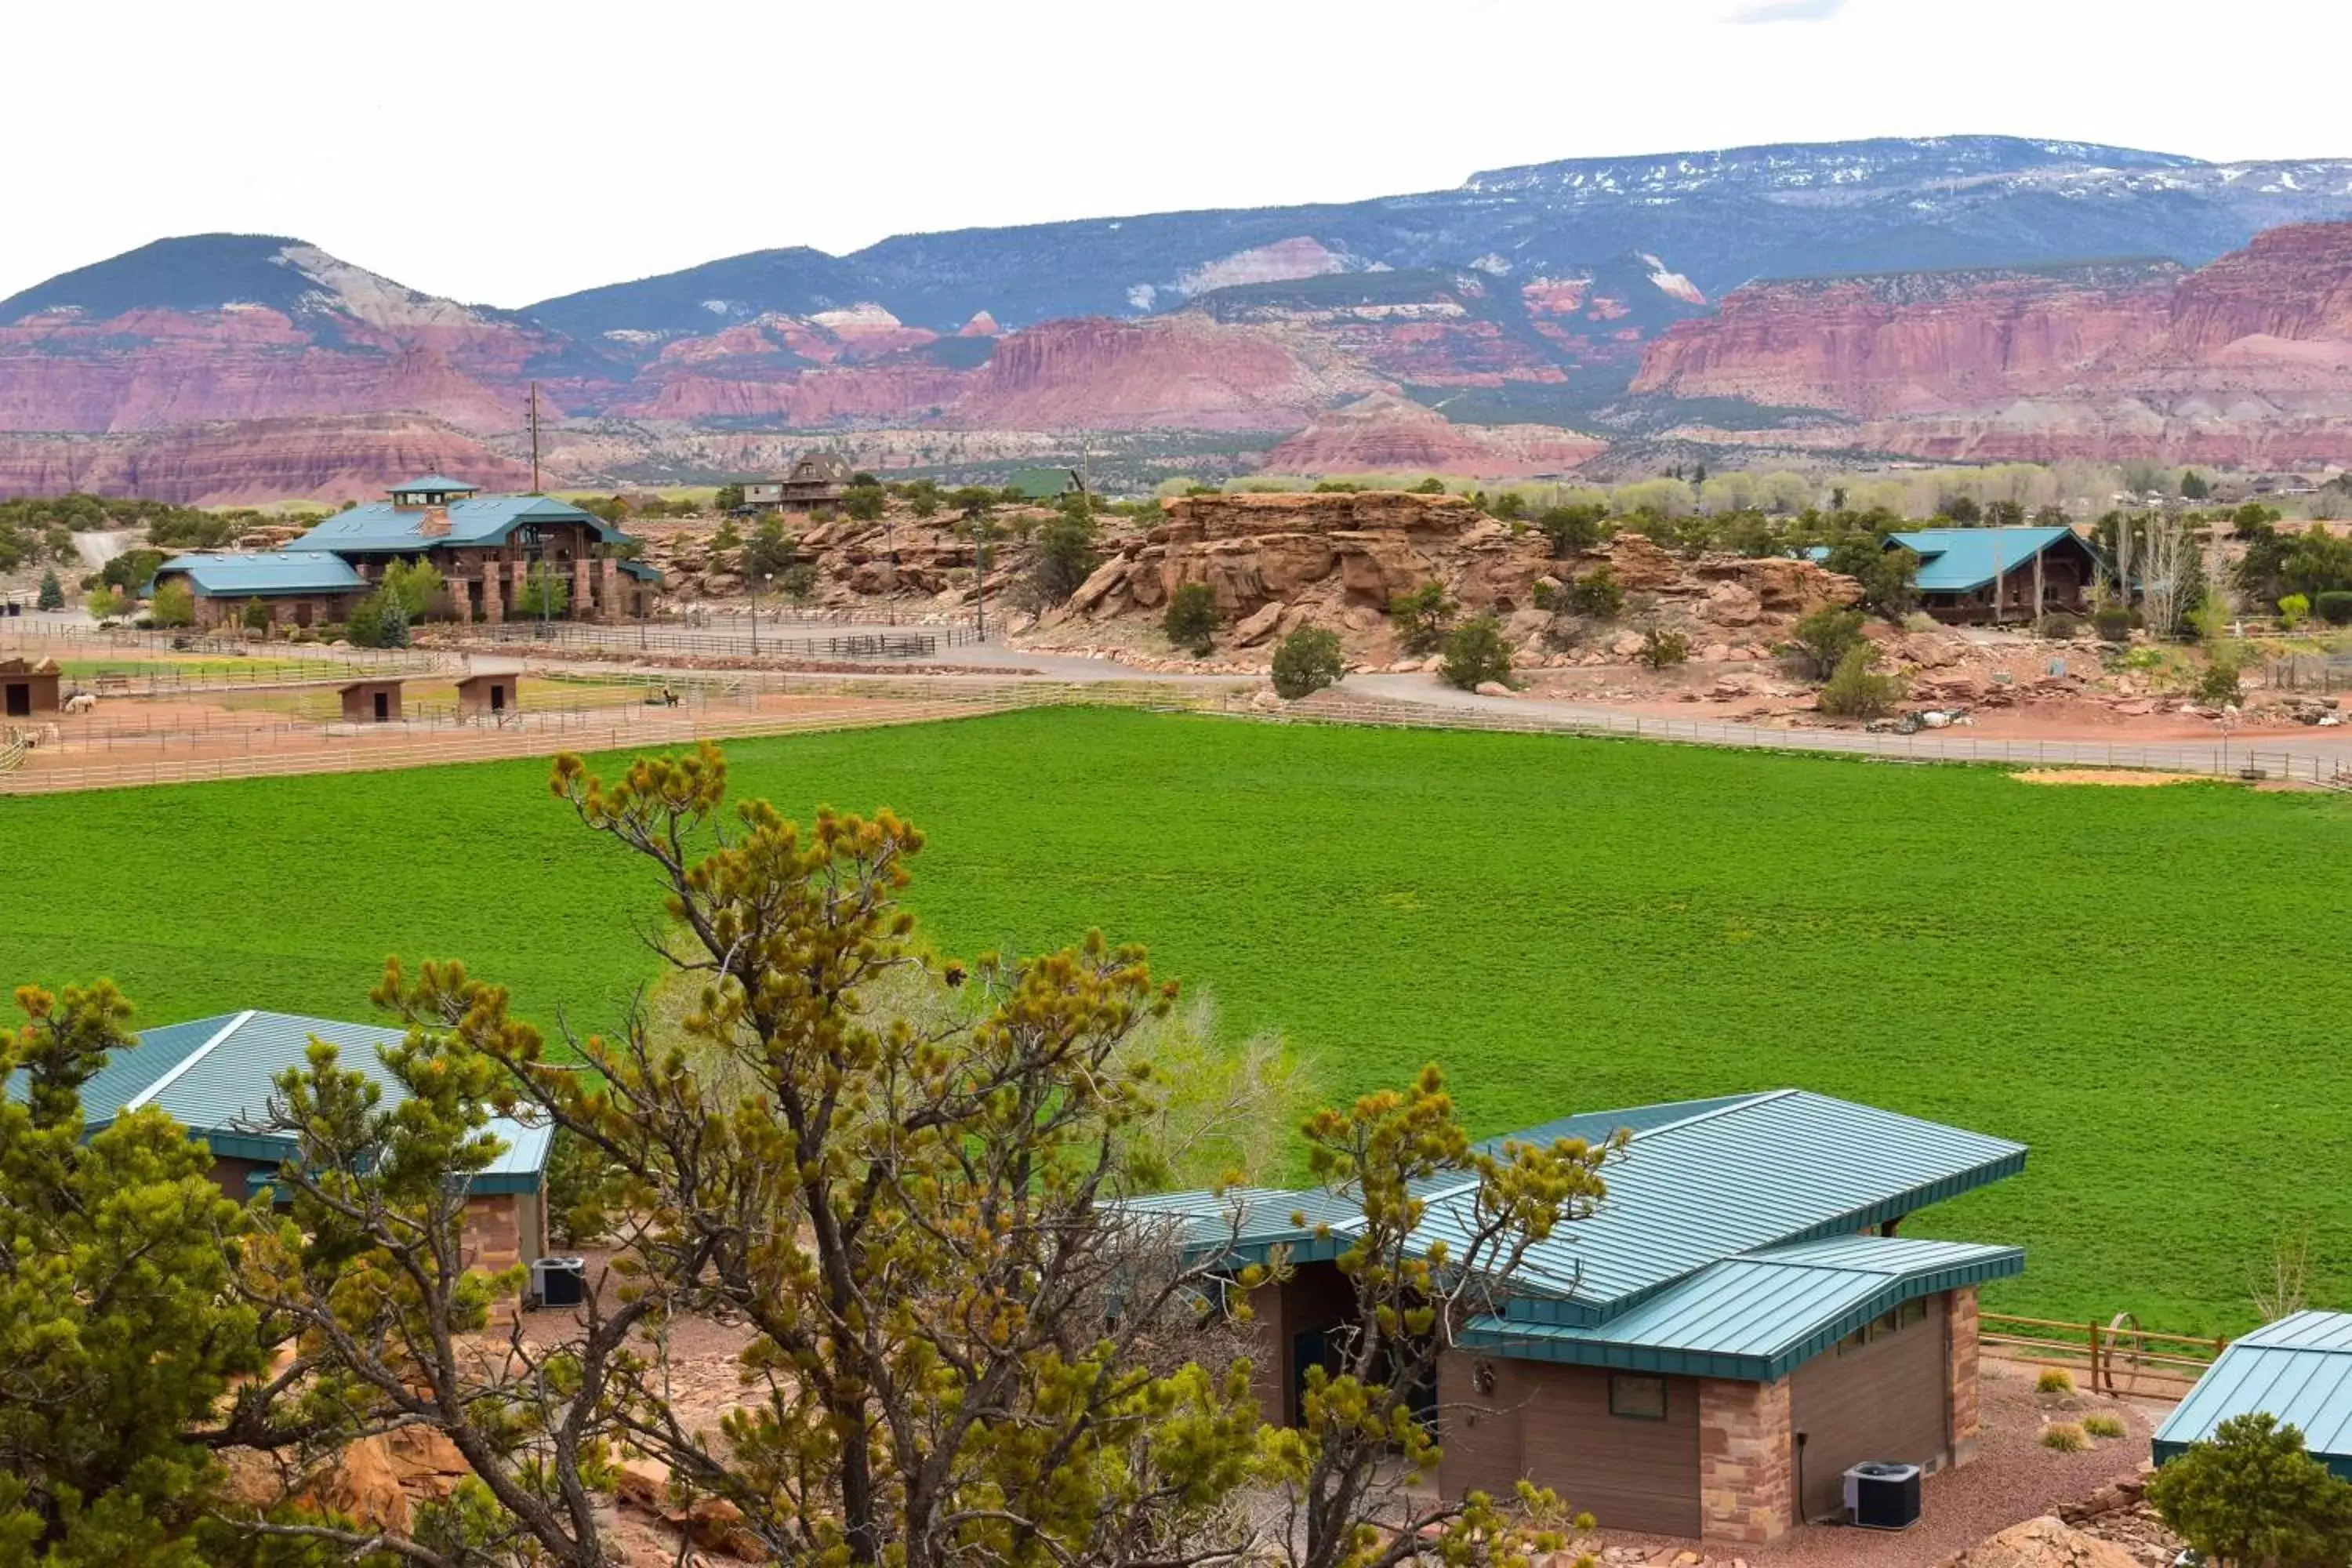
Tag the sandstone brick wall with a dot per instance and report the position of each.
(493, 1232)
(1747, 1492)
(1960, 1361)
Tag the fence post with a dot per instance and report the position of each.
(2094, 1360)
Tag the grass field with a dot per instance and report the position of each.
(2135, 982)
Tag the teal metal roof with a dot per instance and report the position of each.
(264, 574)
(1960, 560)
(1760, 1316)
(1703, 1182)
(213, 1077)
(154, 1053)
(1741, 1175)
(436, 484)
(1249, 1222)
(2299, 1369)
(380, 528)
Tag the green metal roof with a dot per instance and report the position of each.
(1758, 1317)
(1703, 1182)
(1961, 560)
(1735, 1177)
(213, 1077)
(380, 528)
(435, 484)
(263, 573)
(2299, 1369)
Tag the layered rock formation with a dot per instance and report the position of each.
(254, 462)
(1385, 434)
(2247, 361)
(1911, 343)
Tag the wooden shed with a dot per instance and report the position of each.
(28, 687)
(494, 695)
(371, 702)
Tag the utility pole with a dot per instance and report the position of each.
(534, 438)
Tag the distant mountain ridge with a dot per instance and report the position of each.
(1916, 281)
(1722, 218)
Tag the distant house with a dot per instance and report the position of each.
(819, 479)
(2001, 574)
(1707, 1353)
(485, 547)
(214, 1075)
(2299, 1369)
(1047, 484)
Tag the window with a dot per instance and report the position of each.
(1637, 1398)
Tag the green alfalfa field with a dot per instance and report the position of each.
(2142, 984)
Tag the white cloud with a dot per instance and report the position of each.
(1786, 11)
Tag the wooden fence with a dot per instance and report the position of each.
(2115, 1357)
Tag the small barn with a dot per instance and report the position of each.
(371, 702)
(2001, 574)
(2299, 1369)
(28, 687)
(490, 694)
(1706, 1354)
(215, 1076)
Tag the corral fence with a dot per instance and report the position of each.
(2329, 770)
(103, 640)
(579, 732)
(2115, 1357)
(739, 640)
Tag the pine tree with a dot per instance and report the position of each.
(53, 592)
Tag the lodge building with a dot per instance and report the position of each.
(486, 549)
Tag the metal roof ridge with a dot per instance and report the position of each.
(1743, 1102)
(180, 1069)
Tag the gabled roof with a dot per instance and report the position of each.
(212, 1076)
(1960, 560)
(1703, 1181)
(380, 528)
(267, 572)
(2299, 1369)
(1759, 1316)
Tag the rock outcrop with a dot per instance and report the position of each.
(1337, 560)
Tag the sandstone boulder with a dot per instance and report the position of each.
(1494, 689)
(363, 1484)
(1732, 605)
(2045, 1542)
(1259, 625)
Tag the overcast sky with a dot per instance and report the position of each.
(502, 152)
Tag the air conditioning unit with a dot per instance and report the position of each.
(563, 1282)
(1881, 1496)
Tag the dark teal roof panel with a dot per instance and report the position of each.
(1759, 1317)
